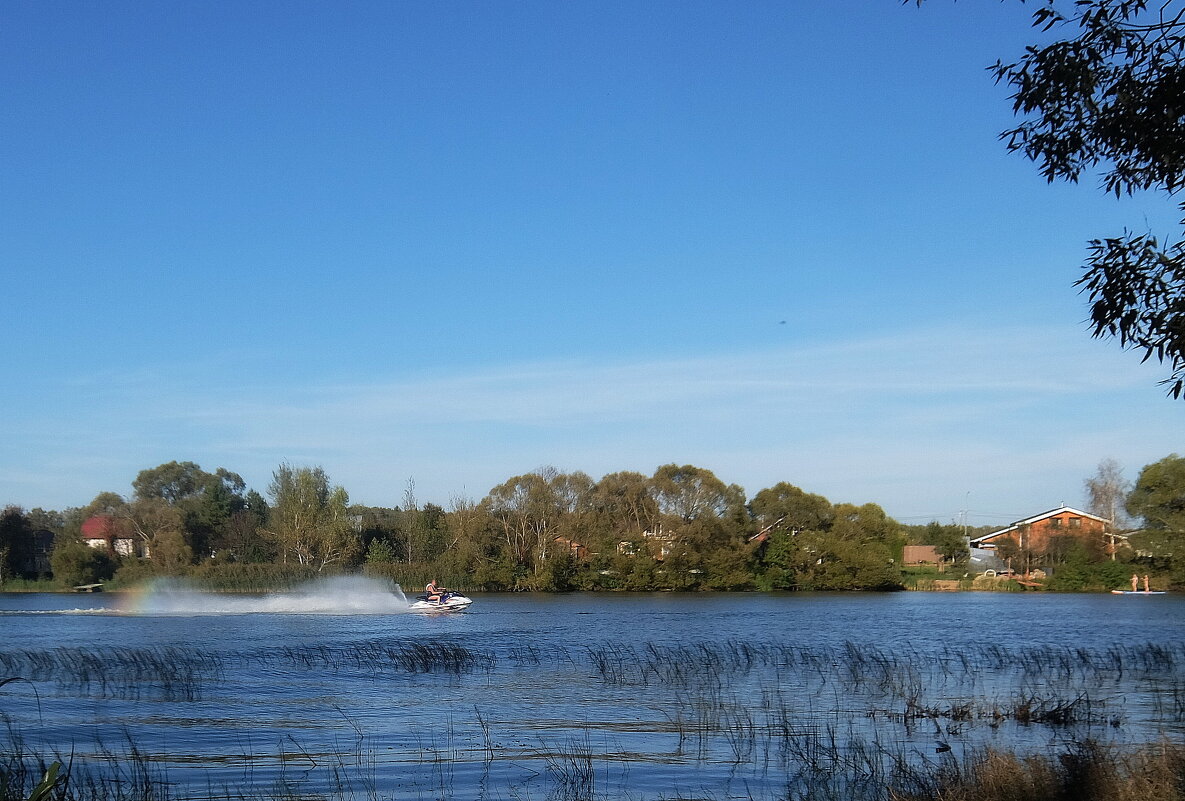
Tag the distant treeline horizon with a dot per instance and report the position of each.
(681, 528)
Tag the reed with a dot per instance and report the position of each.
(249, 577)
(845, 721)
(164, 672)
(380, 656)
(817, 763)
(571, 771)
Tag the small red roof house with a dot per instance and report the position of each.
(1034, 533)
(571, 546)
(110, 533)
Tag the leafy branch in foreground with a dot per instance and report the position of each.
(1113, 96)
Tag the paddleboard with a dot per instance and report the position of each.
(1137, 592)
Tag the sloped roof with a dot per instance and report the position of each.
(104, 527)
(98, 526)
(1035, 518)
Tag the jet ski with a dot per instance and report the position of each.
(448, 601)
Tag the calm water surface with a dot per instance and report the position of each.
(340, 691)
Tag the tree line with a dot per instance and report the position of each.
(681, 528)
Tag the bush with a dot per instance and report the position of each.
(76, 563)
(135, 571)
(250, 576)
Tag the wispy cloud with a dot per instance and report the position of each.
(913, 422)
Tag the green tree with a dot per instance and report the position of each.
(868, 544)
(171, 482)
(381, 552)
(1108, 95)
(104, 503)
(471, 543)
(16, 543)
(421, 530)
(46, 520)
(851, 565)
(624, 505)
(309, 519)
(791, 520)
(242, 537)
(780, 560)
(688, 492)
(947, 540)
(171, 554)
(206, 501)
(530, 511)
(706, 522)
(796, 509)
(524, 510)
(155, 520)
(1158, 499)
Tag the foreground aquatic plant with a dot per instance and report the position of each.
(1085, 771)
(781, 720)
(52, 778)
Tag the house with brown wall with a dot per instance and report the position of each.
(1035, 533)
(921, 555)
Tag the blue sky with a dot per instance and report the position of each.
(459, 241)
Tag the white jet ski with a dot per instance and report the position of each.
(449, 602)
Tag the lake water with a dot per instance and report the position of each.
(340, 691)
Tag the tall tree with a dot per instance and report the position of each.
(689, 492)
(241, 535)
(158, 524)
(1106, 496)
(49, 520)
(1158, 499)
(1109, 96)
(16, 543)
(794, 508)
(206, 501)
(421, 529)
(530, 511)
(105, 503)
(170, 482)
(624, 504)
(310, 519)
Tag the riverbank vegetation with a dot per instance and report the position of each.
(681, 529)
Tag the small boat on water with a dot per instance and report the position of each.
(447, 601)
(1137, 592)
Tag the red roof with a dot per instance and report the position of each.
(99, 526)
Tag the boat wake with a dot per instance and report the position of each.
(340, 595)
(76, 611)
